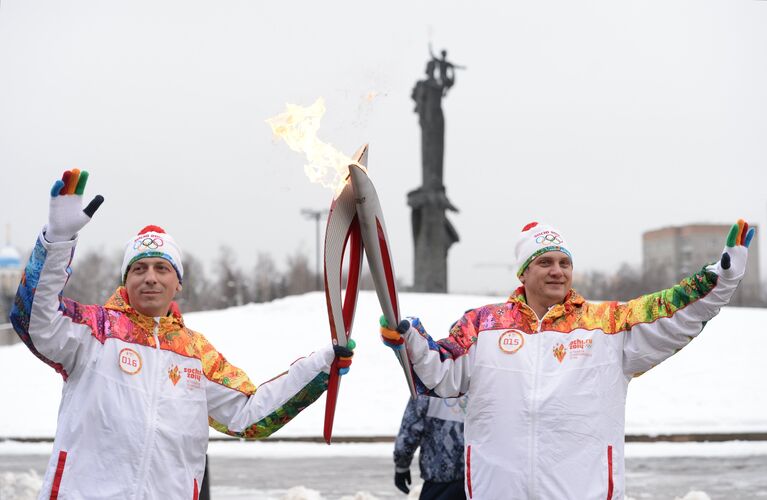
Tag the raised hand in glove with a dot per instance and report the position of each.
(66, 215)
(344, 355)
(402, 480)
(732, 265)
(394, 338)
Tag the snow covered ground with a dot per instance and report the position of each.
(713, 385)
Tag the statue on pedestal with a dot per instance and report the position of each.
(433, 233)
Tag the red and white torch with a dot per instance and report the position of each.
(355, 221)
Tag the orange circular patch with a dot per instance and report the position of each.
(511, 341)
(129, 361)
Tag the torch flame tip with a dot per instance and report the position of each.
(298, 127)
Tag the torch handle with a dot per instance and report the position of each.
(375, 242)
(342, 234)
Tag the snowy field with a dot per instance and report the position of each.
(715, 385)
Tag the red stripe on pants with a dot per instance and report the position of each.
(468, 469)
(609, 473)
(59, 474)
(194, 497)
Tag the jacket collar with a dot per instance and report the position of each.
(572, 300)
(119, 302)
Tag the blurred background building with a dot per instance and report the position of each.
(671, 253)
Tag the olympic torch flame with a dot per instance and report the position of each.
(298, 127)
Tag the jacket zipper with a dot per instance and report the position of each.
(149, 434)
(534, 405)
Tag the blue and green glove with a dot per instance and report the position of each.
(735, 255)
(344, 355)
(66, 215)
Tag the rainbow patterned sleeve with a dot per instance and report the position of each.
(22, 304)
(274, 421)
(452, 353)
(463, 334)
(658, 325)
(455, 345)
(47, 323)
(260, 413)
(614, 317)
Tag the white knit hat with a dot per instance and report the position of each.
(152, 241)
(536, 239)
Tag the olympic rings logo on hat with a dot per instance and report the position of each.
(148, 242)
(549, 239)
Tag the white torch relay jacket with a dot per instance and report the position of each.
(546, 408)
(139, 393)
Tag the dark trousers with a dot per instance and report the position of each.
(442, 491)
(205, 486)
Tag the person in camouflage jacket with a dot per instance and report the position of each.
(436, 425)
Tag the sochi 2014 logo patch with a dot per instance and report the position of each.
(193, 377)
(560, 352)
(511, 341)
(580, 348)
(129, 361)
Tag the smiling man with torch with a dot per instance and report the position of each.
(547, 372)
(140, 387)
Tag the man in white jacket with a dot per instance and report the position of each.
(140, 387)
(547, 372)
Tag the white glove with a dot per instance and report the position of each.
(66, 215)
(732, 265)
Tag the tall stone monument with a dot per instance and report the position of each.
(433, 234)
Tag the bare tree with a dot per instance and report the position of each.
(655, 279)
(95, 276)
(229, 281)
(626, 283)
(196, 293)
(592, 285)
(299, 277)
(267, 282)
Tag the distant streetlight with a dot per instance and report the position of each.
(317, 215)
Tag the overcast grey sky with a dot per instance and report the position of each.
(605, 118)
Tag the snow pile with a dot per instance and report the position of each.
(694, 495)
(20, 486)
(301, 493)
(713, 385)
(362, 495)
